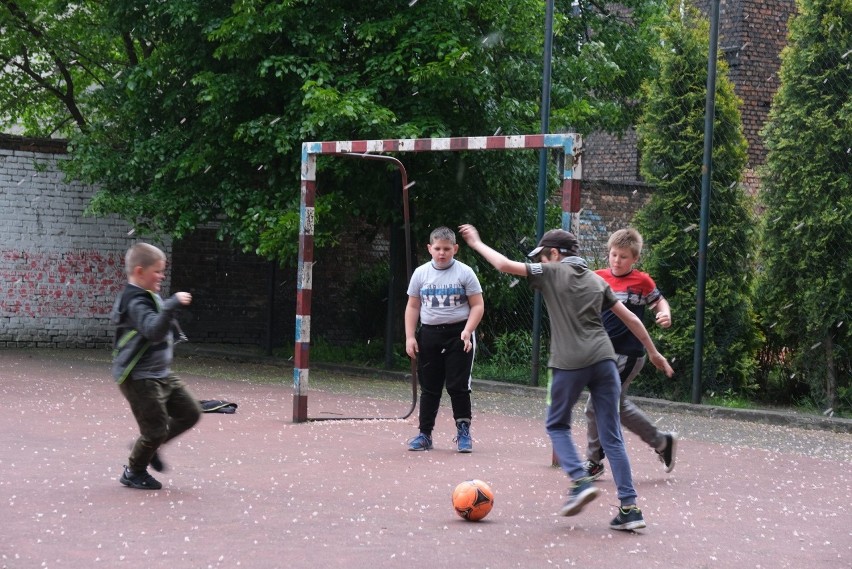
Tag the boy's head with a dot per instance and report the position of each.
(559, 240)
(625, 246)
(145, 266)
(442, 246)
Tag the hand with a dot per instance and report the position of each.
(664, 319)
(465, 338)
(411, 347)
(661, 364)
(183, 297)
(470, 234)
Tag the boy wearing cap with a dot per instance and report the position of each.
(581, 356)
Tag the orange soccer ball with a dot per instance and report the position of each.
(473, 499)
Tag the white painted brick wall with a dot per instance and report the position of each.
(59, 270)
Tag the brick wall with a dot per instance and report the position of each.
(611, 157)
(752, 34)
(606, 207)
(59, 270)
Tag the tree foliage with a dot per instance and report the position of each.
(671, 137)
(804, 291)
(191, 113)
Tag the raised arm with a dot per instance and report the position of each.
(498, 260)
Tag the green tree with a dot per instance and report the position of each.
(806, 261)
(671, 136)
(54, 55)
(193, 112)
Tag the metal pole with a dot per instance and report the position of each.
(706, 175)
(542, 181)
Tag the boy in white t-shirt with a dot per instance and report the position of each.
(445, 296)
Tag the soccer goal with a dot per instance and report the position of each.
(570, 146)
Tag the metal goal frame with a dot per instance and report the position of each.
(570, 146)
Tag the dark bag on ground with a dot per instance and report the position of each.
(218, 406)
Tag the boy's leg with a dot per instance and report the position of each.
(430, 375)
(183, 408)
(563, 391)
(147, 399)
(594, 453)
(459, 366)
(633, 419)
(605, 391)
(628, 368)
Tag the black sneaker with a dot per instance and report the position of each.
(157, 463)
(582, 492)
(667, 455)
(628, 518)
(594, 470)
(141, 480)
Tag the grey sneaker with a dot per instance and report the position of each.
(420, 442)
(667, 455)
(141, 480)
(463, 438)
(628, 518)
(582, 492)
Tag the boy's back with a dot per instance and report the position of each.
(575, 298)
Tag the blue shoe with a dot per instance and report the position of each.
(582, 492)
(420, 442)
(628, 518)
(463, 438)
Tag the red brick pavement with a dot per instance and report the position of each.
(255, 490)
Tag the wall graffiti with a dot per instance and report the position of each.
(78, 283)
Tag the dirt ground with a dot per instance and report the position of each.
(256, 490)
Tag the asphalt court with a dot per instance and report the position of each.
(255, 490)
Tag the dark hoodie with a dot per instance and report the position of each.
(143, 345)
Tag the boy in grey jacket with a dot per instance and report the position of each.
(143, 351)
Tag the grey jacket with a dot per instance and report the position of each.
(144, 334)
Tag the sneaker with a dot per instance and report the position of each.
(582, 492)
(594, 470)
(420, 442)
(141, 480)
(463, 439)
(667, 455)
(628, 518)
(157, 463)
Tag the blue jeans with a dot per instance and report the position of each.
(564, 388)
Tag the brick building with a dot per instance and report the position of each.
(752, 34)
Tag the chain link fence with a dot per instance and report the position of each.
(777, 239)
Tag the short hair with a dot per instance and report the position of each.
(444, 233)
(142, 255)
(627, 238)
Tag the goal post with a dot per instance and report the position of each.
(569, 145)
